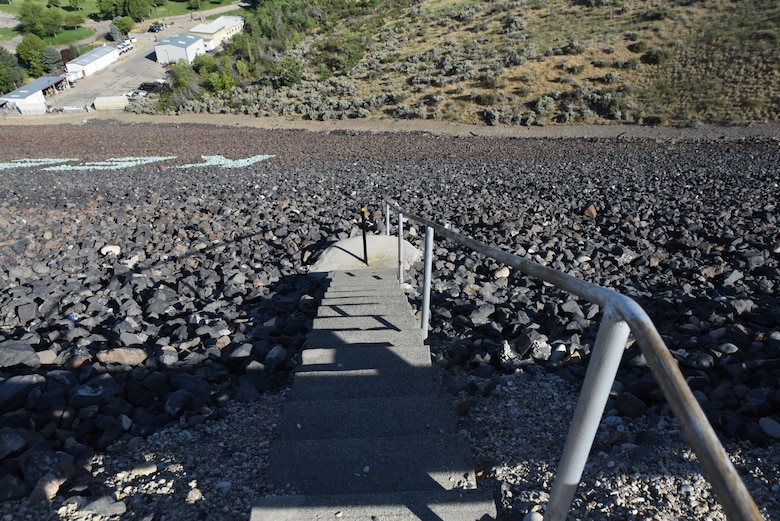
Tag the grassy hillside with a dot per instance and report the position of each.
(511, 61)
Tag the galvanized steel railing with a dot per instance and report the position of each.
(621, 316)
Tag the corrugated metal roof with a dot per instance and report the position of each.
(94, 54)
(215, 25)
(25, 91)
(180, 40)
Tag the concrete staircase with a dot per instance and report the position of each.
(366, 433)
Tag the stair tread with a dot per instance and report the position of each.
(366, 417)
(348, 357)
(445, 505)
(370, 465)
(332, 338)
(327, 310)
(366, 322)
(365, 383)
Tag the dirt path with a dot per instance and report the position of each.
(703, 132)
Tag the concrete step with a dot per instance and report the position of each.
(365, 299)
(443, 505)
(366, 322)
(367, 289)
(367, 418)
(364, 356)
(377, 276)
(373, 465)
(368, 383)
(326, 338)
(328, 309)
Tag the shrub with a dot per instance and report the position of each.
(288, 72)
(573, 47)
(544, 105)
(655, 56)
(490, 116)
(485, 99)
(637, 47)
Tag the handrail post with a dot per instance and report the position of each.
(363, 227)
(387, 219)
(602, 368)
(400, 247)
(426, 304)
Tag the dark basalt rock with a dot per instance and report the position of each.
(209, 279)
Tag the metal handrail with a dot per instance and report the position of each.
(621, 314)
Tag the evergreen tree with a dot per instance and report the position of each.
(11, 75)
(114, 34)
(52, 59)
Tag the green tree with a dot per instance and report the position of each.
(184, 85)
(31, 17)
(73, 20)
(288, 72)
(30, 51)
(205, 64)
(52, 59)
(137, 9)
(75, 4)
(11, 75)
(108, 9)
(52, 21)
(124, 23)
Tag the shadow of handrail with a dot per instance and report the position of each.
(621, 316)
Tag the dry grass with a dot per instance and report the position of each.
(453, 60)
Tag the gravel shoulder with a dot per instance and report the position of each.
(701, 132)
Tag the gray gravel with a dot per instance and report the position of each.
(181, 294)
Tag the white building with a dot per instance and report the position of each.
(217, 32)
(30, 99)
(179, 47)
(93, 61)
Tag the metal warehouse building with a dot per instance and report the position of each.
(216, 32)
(95, 60)
(30, 99)
(179, 47)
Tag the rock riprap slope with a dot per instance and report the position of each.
(150, 297)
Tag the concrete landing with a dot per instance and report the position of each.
(367, 433)
(348, 254)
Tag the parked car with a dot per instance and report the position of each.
(156, 28)
(151, 86)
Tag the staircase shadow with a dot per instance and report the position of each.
(367, 430)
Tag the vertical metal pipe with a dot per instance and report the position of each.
(387, 219)
(363, 225)
(426, 303)
(400, 247)
(602, 368)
